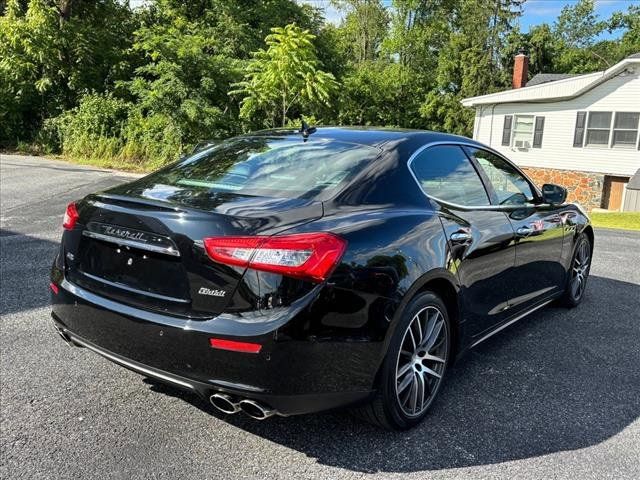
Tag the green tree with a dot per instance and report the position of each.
(470, 62)
(363, 29)
(539, 43)
(578, 26)
(576, 32)
(629, 22)
(189, 64)
(102, 81)
(380, 93)
(284, 78)
(51, 53)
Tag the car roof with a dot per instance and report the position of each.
(380, 137)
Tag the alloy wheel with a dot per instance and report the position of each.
(580, 270)
(421, 360)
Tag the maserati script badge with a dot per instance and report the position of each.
(124, 233)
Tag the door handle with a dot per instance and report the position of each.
(524, 231)
(461, 237)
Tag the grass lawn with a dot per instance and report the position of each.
(623, 220)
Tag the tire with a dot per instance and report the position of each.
(402, 401)
(578, 273)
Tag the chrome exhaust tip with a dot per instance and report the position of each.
(63, 335)
(256, 410)
(224, 403)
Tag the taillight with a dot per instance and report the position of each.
(70, 217)
(311, 256)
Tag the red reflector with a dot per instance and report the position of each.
(53, 287)
(245, 347)
(311, 256)
(70, 217)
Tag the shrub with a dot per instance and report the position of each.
(112, 132)
(93, 129)
(153, 140)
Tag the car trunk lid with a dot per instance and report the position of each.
(145, 248)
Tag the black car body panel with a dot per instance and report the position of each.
(322, 343)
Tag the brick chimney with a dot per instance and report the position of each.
(520, 69)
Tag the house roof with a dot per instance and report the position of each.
(562, 89)
(541, 78)
(634, 182)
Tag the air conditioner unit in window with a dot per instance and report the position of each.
(522, 144)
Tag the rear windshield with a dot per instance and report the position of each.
(259, 166)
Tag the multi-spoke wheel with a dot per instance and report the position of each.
(580, 265)
(421, 360)
(414, 366)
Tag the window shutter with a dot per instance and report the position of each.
(506, 130)
(537, 133)
(578, 136)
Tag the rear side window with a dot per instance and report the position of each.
(445, 172)
(273, 167)
(509, 185)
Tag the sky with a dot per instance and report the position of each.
(535, 12)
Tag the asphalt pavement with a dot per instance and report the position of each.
(555, 396)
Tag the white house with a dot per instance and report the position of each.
(579, 131)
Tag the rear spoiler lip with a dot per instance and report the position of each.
(137, 200)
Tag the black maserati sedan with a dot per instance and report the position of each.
(286, 272)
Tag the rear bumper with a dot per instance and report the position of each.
(292, 376)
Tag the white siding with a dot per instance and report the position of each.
(620, 93)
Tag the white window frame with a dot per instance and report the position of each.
(513, 131)
(614, 129)
(586, 130)
(611, 129)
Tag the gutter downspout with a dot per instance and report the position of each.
(493, 107)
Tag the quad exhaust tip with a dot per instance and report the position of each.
(224, 403)
(227, 404)
(256, 410)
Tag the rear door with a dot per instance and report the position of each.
(538, 229)
(481, 238)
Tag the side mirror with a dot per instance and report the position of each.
(553, 194)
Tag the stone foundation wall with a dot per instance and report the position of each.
(586, 188)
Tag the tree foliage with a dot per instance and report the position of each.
(363, 29)
(283, 78)
(51, 53)
(94, 78)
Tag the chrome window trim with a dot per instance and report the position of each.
(490, 206)
(131, 243)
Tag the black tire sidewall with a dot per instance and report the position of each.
(392, 409)
(569, 298)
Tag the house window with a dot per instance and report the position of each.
(607, 129)
(598, 128)
(625, 129)
(522, 131)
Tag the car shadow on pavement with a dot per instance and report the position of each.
(559, 380)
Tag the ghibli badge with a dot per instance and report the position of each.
(211, 293)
